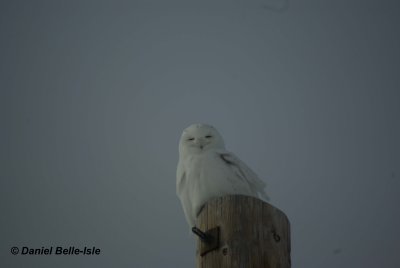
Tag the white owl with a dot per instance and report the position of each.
(206, 170)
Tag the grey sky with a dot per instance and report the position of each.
(94, 96)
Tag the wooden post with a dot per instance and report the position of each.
(252, 234)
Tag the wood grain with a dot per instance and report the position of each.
(253, 233)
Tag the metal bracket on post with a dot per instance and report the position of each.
(209, 239)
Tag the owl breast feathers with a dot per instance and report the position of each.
(207, 170)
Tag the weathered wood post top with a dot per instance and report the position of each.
(242, 231)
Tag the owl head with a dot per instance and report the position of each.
(199, 138)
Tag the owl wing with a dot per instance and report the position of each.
(248, 176)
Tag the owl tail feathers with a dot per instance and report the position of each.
(263, 195)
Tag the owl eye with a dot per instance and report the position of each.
(190, 139)
(208, 136)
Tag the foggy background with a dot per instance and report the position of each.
(95, 94)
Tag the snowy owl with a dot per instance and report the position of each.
(206, 170)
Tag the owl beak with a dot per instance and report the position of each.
(200, 143)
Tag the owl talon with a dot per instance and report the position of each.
(201, 208)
